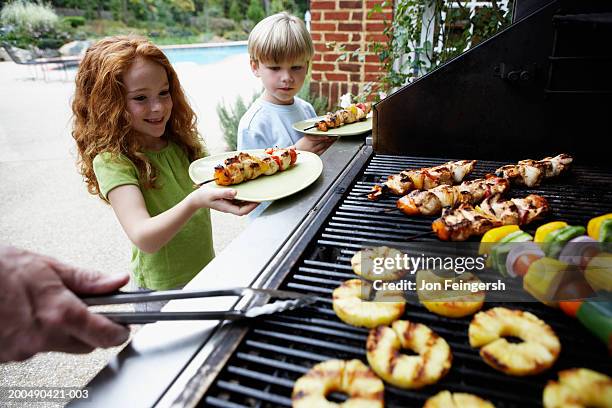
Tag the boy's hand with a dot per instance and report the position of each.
(315, 144)
(221, 200)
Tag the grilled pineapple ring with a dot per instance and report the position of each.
(351, 377)
(446, 399)
(351, 309)
(363, 263)
(579, 387)
(383, 351)
(538, 351)
(449, 303)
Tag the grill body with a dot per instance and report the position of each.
(279, 349)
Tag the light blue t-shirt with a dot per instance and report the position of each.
(266, 124)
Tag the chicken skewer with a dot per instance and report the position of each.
(245, 166)
(431, 202)
(423, 179)
(465, 221)
(351, 114)
(531, 173)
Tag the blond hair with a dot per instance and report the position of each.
(101, 121)
(280, 37)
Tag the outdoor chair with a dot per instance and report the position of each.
(26, 57)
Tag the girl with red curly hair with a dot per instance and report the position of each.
(136, 136)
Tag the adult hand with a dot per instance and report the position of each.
(221, 200)
(315, 144)
(40, 311)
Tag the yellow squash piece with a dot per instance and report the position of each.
(545, 276)
(494, 235)
(593, 227)
(599, 272)
(546, 229)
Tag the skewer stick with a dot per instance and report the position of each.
(204, 182)
(310, 127)
(420, 235)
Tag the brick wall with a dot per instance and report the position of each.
(345, 22)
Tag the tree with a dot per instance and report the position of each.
(255, 12)
(235, 11)
(276, 6)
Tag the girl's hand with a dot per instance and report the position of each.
(220, 200)
(315, 144)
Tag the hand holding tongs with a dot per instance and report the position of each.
(294, 300)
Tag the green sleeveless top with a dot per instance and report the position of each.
(191, 249)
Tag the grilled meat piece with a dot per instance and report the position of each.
(423, 179)
(465, 221)
(532, 172)
(431, 202)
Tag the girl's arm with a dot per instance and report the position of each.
(151, 233)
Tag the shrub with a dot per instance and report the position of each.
(221, 25)
(235, 35)
(229, 117)
(319, 103)
(32, 17)
(255, 11)
(74, 21)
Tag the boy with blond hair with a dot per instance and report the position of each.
(280, 51)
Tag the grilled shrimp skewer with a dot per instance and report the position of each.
(431, 202)
(531, 173)
(423, 179)
(244, 166)
(464, 221)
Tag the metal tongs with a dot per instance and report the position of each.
(293, 300)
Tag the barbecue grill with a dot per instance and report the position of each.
(509, 98)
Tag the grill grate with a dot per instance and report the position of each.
(281, 348)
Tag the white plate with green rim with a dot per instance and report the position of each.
(351, 129)
(307, 169)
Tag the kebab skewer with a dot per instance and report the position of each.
(423, 179)
(353, 113)
(432, 202)
(460, 223)
(245, 166)
(531, 173)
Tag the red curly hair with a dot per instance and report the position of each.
(101, 121)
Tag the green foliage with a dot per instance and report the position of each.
(236, 35)
(290, 6)
(255, 11)
(229, 118)
(235, 11)
(31, 17)
(74, 21)
(404, 57)
(319, 103)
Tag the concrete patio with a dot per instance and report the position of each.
(45, 206)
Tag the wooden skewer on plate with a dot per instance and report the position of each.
(204, 182)
(310, 127)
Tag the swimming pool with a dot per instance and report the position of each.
(205, 54)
